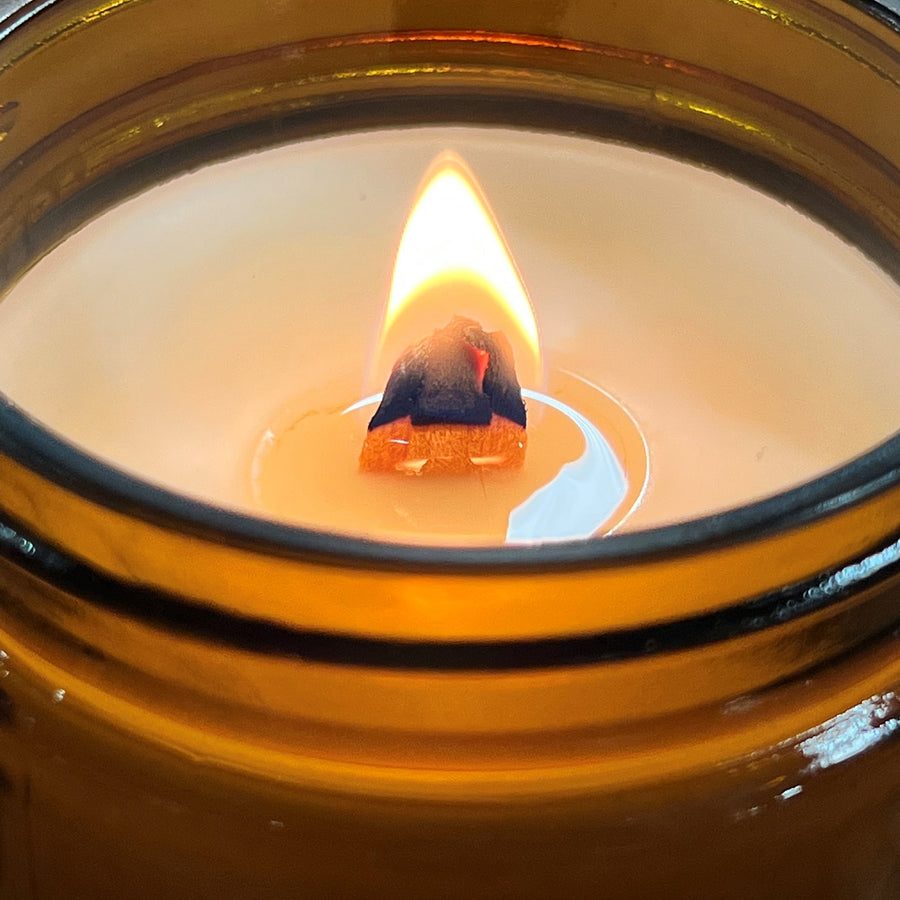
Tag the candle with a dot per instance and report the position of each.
(224, 672)
(213, 333)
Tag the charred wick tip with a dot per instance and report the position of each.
(447, 379)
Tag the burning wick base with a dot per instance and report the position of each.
(443, 449)
(452, 405)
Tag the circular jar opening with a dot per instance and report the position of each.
(701, 344)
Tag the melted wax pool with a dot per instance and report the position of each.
(585, 470)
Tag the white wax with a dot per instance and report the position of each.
(754, 348)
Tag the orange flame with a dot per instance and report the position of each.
(453, 260)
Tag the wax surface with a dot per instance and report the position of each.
(572, 484)
(754, 348)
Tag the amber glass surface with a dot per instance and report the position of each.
(196, 704)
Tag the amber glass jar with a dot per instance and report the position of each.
(196, 704)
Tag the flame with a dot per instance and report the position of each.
(453, 260)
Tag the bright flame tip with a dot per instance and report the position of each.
(452, 238)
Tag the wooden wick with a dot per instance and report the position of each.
(451, 405)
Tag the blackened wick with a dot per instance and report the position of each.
(460, 374)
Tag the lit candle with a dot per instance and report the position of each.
(197, 699)
(684, 341)
(452, 259)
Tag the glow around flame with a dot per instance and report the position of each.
(453, 259)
